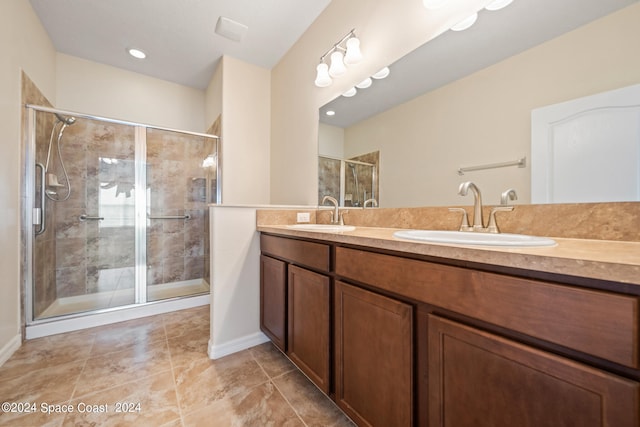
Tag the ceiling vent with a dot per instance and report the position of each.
(231, 29)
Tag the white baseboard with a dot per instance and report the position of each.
(220, 350)
(9, 348)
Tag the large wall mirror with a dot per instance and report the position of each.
(465, 99)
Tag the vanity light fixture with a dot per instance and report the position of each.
(136, 53)
(498, 4)
(433, 4)
(365, 83)
(351, 92)
(345, 52)
(381, 74)
(465, 23)
(337, 67)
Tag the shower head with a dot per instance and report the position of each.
(66, 120)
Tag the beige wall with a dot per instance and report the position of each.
(213, 97)
(89, 87)
(486, 117)
(387, 29)
(330, 140)
(245, 132)
(24, 45)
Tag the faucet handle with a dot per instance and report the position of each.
(464, 226)
(493, 225)
(341, 221)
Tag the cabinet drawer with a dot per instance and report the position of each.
(314, 255)
(598, 323)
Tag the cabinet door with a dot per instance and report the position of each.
(308, 324)
(273, 300)
(374, 362)
(478, 379)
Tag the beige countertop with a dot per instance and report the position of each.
(594, 259)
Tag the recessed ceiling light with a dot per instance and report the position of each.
(137, 53)
(330, 113)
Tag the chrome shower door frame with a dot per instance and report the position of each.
(30, 213)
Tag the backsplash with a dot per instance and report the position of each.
(600, 221)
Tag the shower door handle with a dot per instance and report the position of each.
(41, 213)
(85, 217)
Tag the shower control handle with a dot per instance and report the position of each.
(85, 217)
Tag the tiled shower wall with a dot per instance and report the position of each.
(178, 184)
(44, 244)
(77, 257)
(99, 157)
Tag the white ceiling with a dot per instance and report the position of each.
(177, 35)
(453, 55)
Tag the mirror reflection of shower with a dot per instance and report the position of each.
(350, 181)
(52, 181)
(356, 201)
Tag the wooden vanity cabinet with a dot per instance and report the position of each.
(295, 295)
(273, 300)
(418, 343)
(308, 325)
(479, 379)
(374, 357)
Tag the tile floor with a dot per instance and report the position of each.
(158, 368)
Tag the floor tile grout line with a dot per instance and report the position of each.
(173, 374)
(278, 388)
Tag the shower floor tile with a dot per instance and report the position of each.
(117, 291)
(161, 363)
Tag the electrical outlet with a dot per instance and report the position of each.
(348, 197)
(304, 217)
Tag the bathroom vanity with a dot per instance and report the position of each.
(399, 333)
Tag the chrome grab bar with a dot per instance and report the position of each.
(85, 217)
(187, 216)
(41, 213)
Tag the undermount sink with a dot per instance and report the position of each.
(327, 228)
(473, 238)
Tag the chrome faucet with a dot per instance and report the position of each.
(478, 222)
(507, 195)
(372, 202)
(336, 218)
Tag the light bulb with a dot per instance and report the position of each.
(381, 74)
(466, 23)
(351, 92)
(337, 67)
(498, 4)
(322, 77)
(433, 4)
(353, 55)
(365, 83)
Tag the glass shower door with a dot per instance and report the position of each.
(181, 181)
(83, 249)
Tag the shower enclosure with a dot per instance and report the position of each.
(351, 182)
(119, 213)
